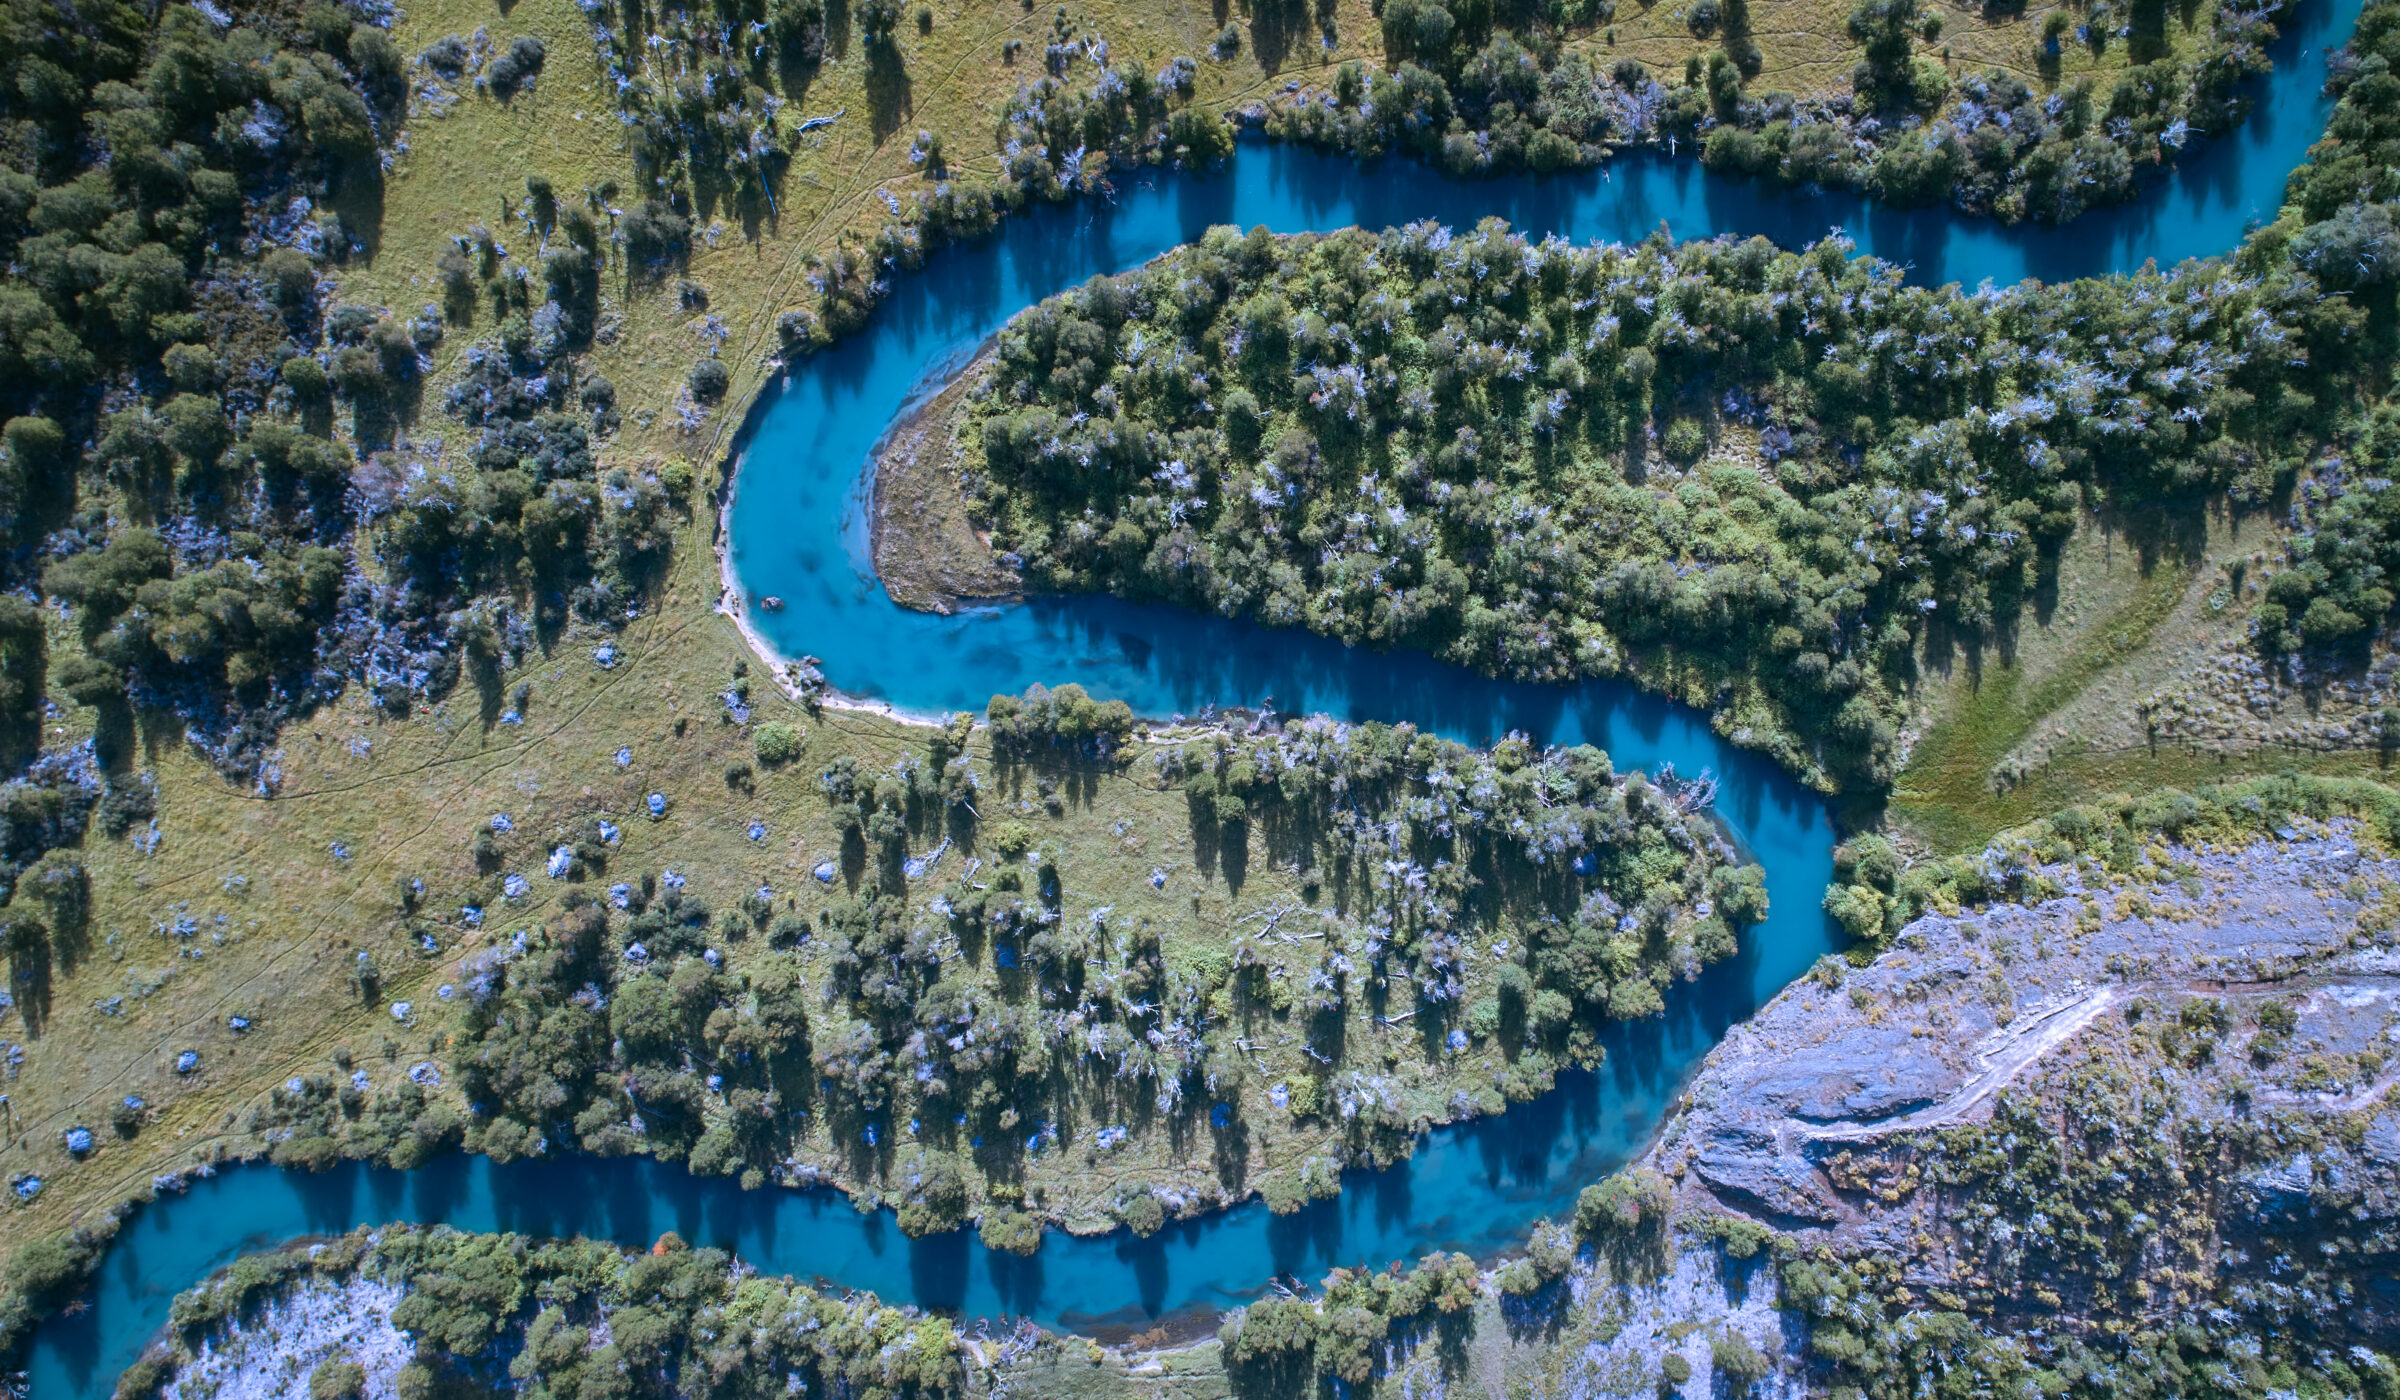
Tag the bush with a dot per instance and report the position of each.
(291, 277)
(1857, 908)
(382, 69)
(337, 1380)
(675, 478)
(305, 378)
(1685, 441)
(1143, 1214)
(1012, 838)
(655, 232)
(36, 464)
(516, 68)
(778, 743)
(1013, 1230)
(1631, 1203)
(1737, 1362)
(709, 380)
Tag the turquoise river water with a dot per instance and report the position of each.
(798, 530)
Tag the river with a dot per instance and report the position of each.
(799, 530)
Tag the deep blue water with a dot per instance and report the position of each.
(797, 530)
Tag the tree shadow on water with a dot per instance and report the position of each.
(937, 1271)
(1016, 1278)
(1148, 1259)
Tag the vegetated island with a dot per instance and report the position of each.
(1773, 484)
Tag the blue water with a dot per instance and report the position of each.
(797, 530)
(798, 523)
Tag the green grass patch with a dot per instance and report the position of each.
(1946, 790)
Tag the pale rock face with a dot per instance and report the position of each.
(1963, 1008)
(272, 1357)
(1680, 1313)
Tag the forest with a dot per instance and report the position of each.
(1479, 916)
(1484, 86)
(1764, 481)
(200, 508)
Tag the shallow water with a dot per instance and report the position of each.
(798, 530)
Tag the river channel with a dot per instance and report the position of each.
(798, 529)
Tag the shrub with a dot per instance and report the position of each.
(676, 480)
(37, 462)
(291, 277)
(337, 1380)
(1685, 441)
(516, 68)
(1270, 1333)
(1012, 838)
(1858, 908)
(1011, 1229)
(1737, 1362)
(305, 378)
(1143, 1214)
(382, 69)
(1631, 1203)
(709, 380)
(778, 743)
(654, 232)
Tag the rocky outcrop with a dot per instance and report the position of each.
(2240, 1002)
(317, 1324)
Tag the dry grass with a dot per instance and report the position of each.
(927, 551)
(280, 917)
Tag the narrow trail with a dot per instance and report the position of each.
(2018, 1050)
(2021, 1047)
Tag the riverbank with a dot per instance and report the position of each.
(928, 554)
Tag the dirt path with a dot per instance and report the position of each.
(2013, 1055)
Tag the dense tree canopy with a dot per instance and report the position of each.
(1762, 475)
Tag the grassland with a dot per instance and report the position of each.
(256, 908)
(2099, 686)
